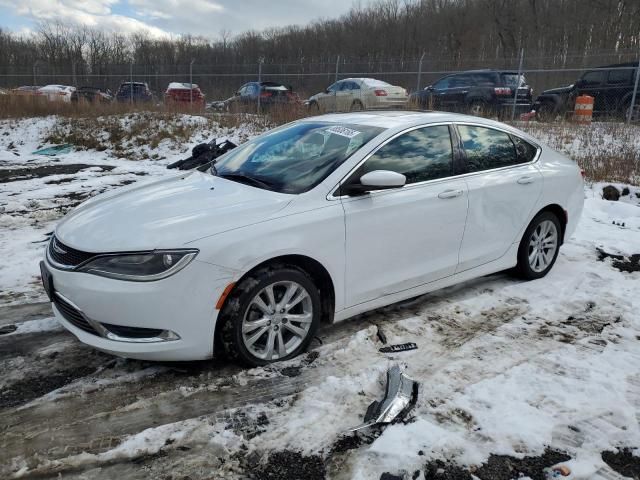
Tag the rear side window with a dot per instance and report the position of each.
(524, 150)
(420, 155)
(484, 79)
(620, 76)
(487, 148)
(459, 81)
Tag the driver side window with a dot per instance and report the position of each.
(334, 88)
(420, 155)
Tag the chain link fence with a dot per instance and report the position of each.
(220, 81)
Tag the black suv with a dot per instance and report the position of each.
(610, 86)
(477, 92)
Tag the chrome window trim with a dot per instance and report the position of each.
(454, 124)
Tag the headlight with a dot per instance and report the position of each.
(140, 267)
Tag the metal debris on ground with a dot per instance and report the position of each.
(401, 394)
(402, 347)
(381, 335)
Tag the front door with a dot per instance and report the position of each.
(405, 237)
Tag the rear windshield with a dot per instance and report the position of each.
(372, 82)
(295, 158)
(511, 80)
(127, 88)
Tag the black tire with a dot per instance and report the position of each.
(229, 334)
(478, 108)
(546, 112)
(635, 112)
(523, 268)
(356, 106)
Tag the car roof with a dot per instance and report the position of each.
(619, 65)
(399, 119)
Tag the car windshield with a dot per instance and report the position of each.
(294, 158)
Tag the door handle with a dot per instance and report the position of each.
(450, 194)
(526, 180)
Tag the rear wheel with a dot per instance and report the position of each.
(634, 112)
(271, 316)
(478, 108)
(546, 112)
(539, 246)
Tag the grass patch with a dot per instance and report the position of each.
(608, 152)
(134, 136)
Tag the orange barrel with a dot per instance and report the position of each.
(583, 111)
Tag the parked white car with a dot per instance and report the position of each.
(310, 223)
(355, 94)
(57, 92)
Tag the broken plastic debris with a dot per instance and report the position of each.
(400, 396)
(402, 347)
(558, 472)
(55, 150)
(381, 336)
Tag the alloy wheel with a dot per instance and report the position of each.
(277, 320)
(542, 246)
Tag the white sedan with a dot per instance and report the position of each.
(57, 93)
(310, 223)
(355, 94)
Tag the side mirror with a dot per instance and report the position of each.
(376, 180)
(429, 88)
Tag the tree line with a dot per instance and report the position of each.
(386, 36)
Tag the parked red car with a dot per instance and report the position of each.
(184, 93)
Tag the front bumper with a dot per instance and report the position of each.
(179, 311)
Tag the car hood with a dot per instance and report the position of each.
(166, 213)
(565, 89)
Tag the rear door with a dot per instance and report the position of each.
(619, 83)
(504, 186)
(405, 237)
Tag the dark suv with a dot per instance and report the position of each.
(610, 86)
(477, 92)
(134, 92)
(270, 93)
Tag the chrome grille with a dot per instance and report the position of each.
(67, 256)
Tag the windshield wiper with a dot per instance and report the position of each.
(242, 178)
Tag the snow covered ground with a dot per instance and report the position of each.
(543, 371)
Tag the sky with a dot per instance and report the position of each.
(161, 18)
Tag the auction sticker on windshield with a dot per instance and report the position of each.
(343, 131)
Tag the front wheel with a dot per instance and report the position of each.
(271, 316)
(539, 246)
(356, 106)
